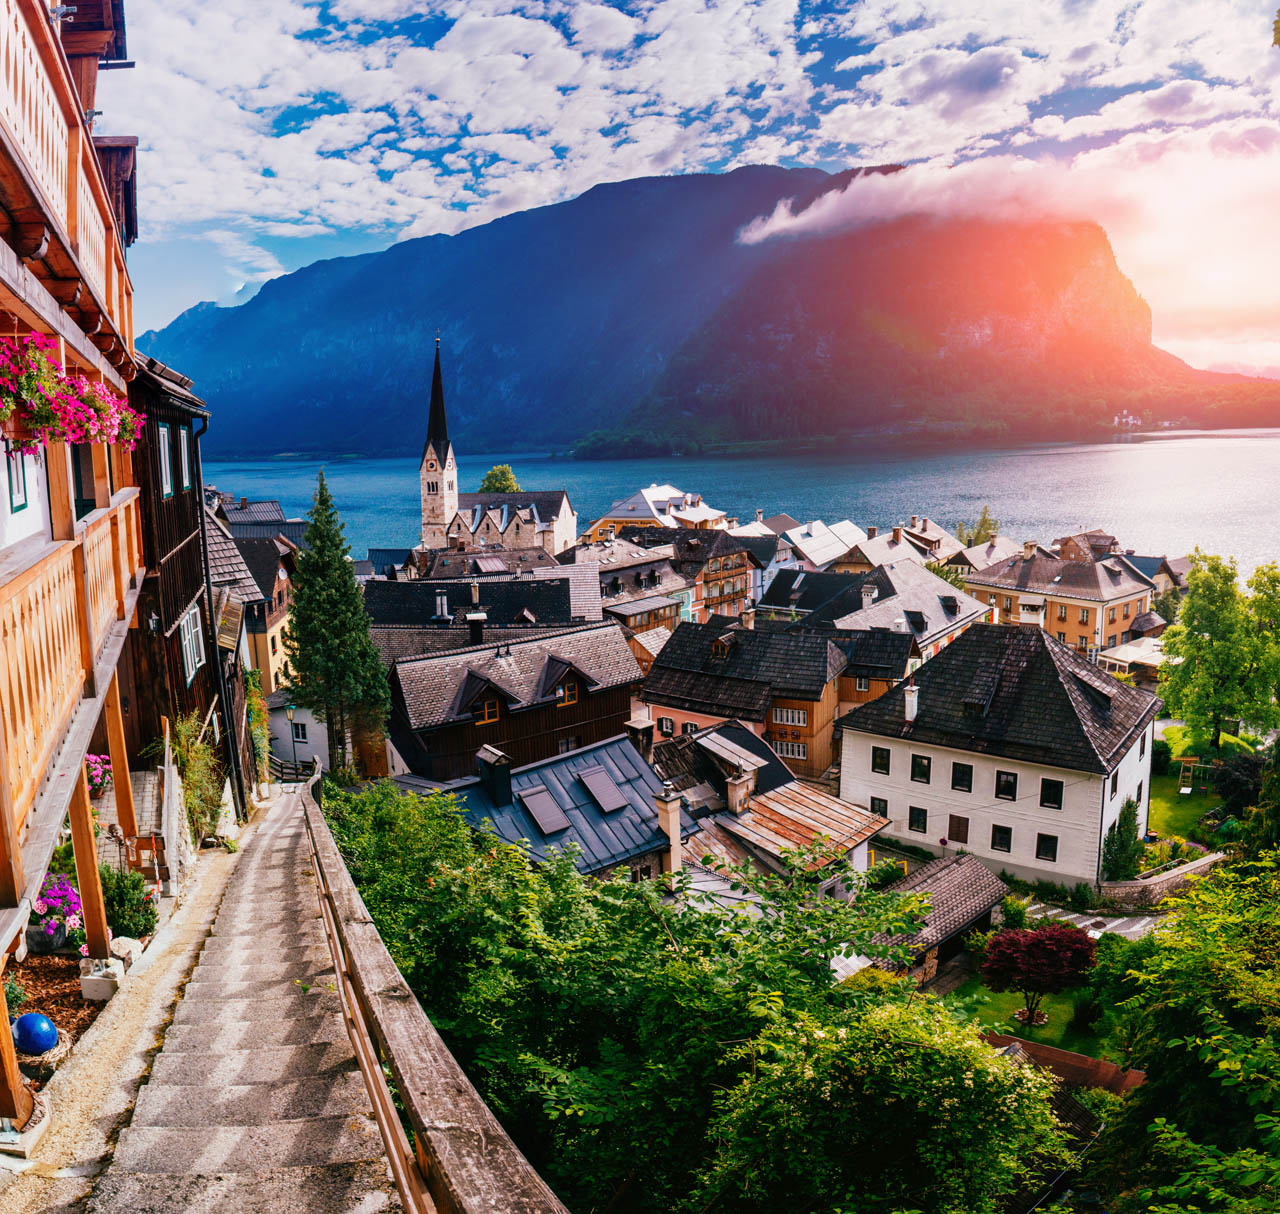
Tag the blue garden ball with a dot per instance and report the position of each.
(34, 1033)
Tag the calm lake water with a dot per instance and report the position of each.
(1219, 490)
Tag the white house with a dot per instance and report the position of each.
(302, 739)
(1007, 745)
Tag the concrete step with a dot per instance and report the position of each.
(346, 1188)
(263, 976)
(297, 983)
(224, 949)
(239, 1035)
(264, 1065)
(266, 1011)
(233, 969)
(309, 1142)
(331, 1095)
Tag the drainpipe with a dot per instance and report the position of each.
(1102, 817)
(229, 732)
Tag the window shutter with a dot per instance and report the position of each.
(197, 639)
(184, 633)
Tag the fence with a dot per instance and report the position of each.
(462, 1160)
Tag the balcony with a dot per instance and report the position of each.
(62, 266)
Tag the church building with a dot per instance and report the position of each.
(527, 519)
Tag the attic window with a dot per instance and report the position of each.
(1100, 699)
(950, 604)
(542, 805)
(442, 603)
(487, 711)
(603, 790)
(721, 646)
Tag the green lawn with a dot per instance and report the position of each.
(996, 1011)
(1173, 815)
(1183, 742)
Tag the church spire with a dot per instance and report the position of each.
(437, 423)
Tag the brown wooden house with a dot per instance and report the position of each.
(530, 698)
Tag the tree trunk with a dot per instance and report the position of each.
(331, 729)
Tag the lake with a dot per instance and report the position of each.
(1159, 494)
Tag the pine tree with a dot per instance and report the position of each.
(334, 669)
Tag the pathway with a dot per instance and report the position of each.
(1132, 926)
(254, 1102)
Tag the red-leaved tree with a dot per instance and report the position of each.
(1038, 961)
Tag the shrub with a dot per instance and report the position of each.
(1086, 1011)
(15, 994)
(1161, 757)
(1015, 912)
(1122, 848)
(978, 942)
(130, 902)
(201, 772)
(1037, 962)
(1238, 780)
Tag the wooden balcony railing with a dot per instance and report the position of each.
(461, 1161)
(58, 602)
(53, 184)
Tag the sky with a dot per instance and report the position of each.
(275, 133)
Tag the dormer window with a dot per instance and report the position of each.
(721, 646)
(487, 712)
(566, 693)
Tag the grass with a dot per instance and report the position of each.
(996, 1011)
(1172, 815)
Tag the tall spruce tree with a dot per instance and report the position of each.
(334, 669)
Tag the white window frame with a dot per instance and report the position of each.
(666, 726)
(792, 750)
(862, 683)
(791, 716)
(166, 460)
(192, 637)
(184, 455)
(299, 730)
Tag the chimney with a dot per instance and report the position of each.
(910, 700)
(915, 520)
(475, 594)
(668, 802)
(899, 625)
(741, 786)
(475, 627)
(747, 617)
(640, 731)
(924, 524)
(759, 516)
(897, 535)
(872, 531)
(244, 503)
(495, 774)
(1028, 550)
(868, 594)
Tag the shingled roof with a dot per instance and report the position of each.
(736, 672)
(432, 688)
(1014, 691)
(263, 558)
(1102, 581)
(504, 600)
(471, 562)
(226, 564)
(267, 511)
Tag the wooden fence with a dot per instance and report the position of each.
(462, 1161)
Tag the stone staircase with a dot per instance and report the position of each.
(254, 1102)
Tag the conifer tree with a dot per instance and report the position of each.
(334, 669)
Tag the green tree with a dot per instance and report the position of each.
(1122, 848)
(986, 528)
(948, 573)
(333, 669)
(1166, 604)
(500, 479)
(1224, 665)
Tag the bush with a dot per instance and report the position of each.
(1081, 897)
(1086, 1010)
(130, 902)
(1161, 757)
(201, 772)
(978, 942)
(15, 994)
(1238, 781)
(1122, 848)
(1015, 912)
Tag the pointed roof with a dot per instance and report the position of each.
(437, 422)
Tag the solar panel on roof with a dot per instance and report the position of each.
(542, 805)
(603, 790)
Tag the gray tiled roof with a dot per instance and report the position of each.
(294, 530)
(547, 502)
(986, 554)
(383, 559)
(1013, 690)
(267, 511)
(226, 565)
(961, 890)
(452, 563)
(263, 558)
(1110, 578)
(504, 599)
(430, 686)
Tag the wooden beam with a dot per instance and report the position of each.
(84, 620)
(93, 907)
(125, 813)
(66, 291)
(15, 1100)
(101, 477)
(12, 879)
(62, 504)
(30, 240)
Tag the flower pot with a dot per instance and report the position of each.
(39, 941)
(96, 794)
(17, 429)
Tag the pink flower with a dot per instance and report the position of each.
(39, 907)
(73, 922)
(84, 950)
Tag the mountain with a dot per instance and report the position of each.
(632, 311)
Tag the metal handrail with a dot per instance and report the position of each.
(461, 1161)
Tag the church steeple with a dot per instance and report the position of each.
(437, 472)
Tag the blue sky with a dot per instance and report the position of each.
(278, 132)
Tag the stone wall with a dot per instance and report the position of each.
(1154, 889)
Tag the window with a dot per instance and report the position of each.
(920, 765)
(1142, 745)
(566, 693)
(166, 457)
(1062, 611)
(862, 683)
(791, 716)
(1111, 641)
(488, 712)
(689, 727)
(917, 819)
(1126, 611)
(191, 636)
(991, 598)
(1047, 848)
(279, 598)
(1002, 838)
(1007, 785)
(16, 467)
(299, 731)
(1115, 781)
(1008, 603)
(1084, 615)
(184, 455)
(1138, 796)
(569, 743)
(880, 806)
(1084, 642)
(666, 725)
(274, 647)
(1051, 794)
(880, 760)
(1062, 636)
(958, 829)
(1111, 615)
(962, 777)
(792, 750)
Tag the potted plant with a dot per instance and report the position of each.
(98, 770)
(29, 375)
(58, 919)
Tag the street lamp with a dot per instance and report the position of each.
(288, 712)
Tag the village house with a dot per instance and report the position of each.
(1165, 572)
(876, 659)
(882, 548)
(271, 563)
(460, 561)
(658, 506)
(718, 567)
(628, 571)
(984, 555)
(1086, 546)
(1086, 603)
(515, 520)
(531, 698)
(818, 547)
(781, 685)
(1008, 745)
(937, 543)
(771, 549)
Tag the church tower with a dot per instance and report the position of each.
(438, 472)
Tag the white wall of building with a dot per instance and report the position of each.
(33, 518)
(1088, 808)
(312, 742)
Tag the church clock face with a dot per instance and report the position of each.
(449, 466)
(431, 465)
